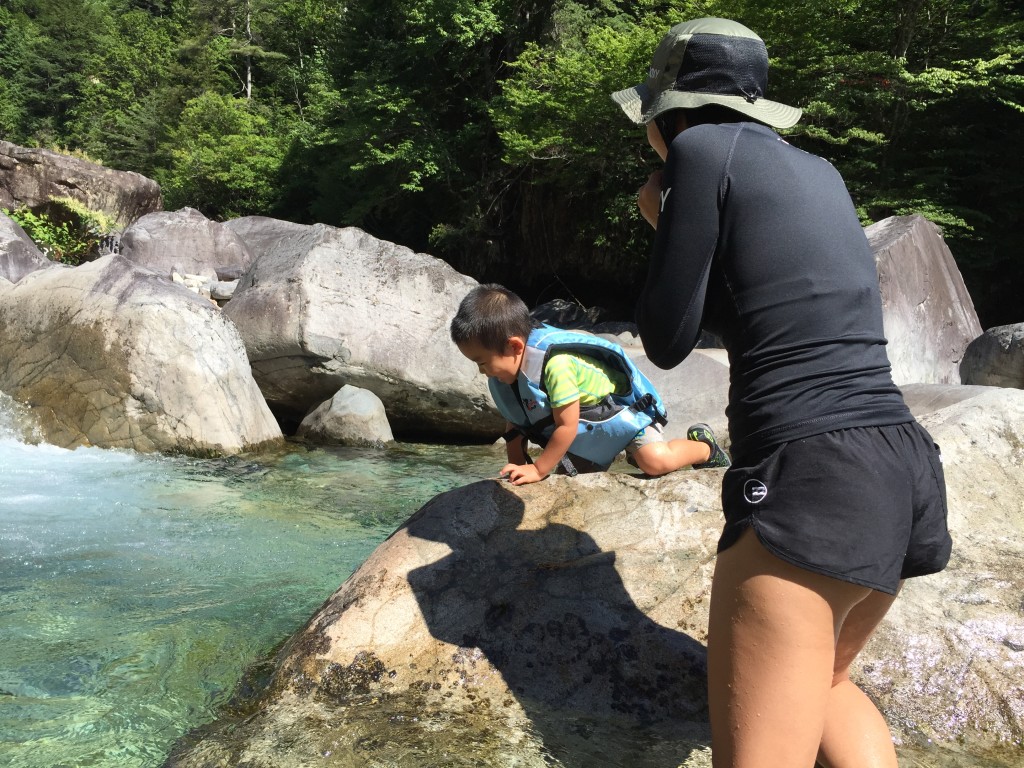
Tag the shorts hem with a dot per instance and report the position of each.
(774, 550)
(929, 571)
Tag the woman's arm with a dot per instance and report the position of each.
(693, 187)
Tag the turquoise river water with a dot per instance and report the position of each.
(135, 589)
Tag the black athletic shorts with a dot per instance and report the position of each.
(866, 505)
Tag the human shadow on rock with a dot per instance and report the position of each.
(550, 612)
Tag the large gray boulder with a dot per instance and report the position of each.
(563, 624)
(112, 355)
(928, 314)
(187, 243)
(996, 358)
(18, 254)
(322, 307)
(31, 177)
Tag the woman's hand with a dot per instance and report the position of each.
(649, 199)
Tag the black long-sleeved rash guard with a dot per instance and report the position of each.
(758, 242)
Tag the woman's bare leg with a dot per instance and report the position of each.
(771, 655)
(855, 732)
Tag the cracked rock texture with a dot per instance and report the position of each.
(563, 624)
(322, 307)
(30, 177)
(112, 355)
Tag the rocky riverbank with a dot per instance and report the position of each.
(557, 624)
(564, 624)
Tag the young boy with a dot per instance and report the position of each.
(494, 329)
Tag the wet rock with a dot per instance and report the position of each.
(516, 623)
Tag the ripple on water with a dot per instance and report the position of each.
(135, 589)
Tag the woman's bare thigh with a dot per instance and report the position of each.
(771, 654)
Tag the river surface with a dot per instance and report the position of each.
(134, 590)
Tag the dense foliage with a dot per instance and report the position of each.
(482, 131)
(66, 231)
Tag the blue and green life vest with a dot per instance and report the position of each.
(605, 429)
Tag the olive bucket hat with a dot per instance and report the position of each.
(707, 61)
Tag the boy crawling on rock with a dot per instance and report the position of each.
(577, 395)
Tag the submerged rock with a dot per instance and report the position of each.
(563, 624)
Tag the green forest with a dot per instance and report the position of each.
(481, 131)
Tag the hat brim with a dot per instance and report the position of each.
(772, 113)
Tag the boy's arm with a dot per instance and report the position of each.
(515, 448)
(567, 419)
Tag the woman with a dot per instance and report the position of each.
(836, 494)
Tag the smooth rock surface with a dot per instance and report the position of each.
(996, 358)
(112, 355)
(323, 307)
(927, 313)
(352, 417)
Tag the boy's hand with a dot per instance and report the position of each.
(521, 474)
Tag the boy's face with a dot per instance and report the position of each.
(503, 366)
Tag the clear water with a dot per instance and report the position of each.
(134, 590)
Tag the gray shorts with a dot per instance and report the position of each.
(646, 436)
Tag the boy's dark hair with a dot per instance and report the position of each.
(490, 315)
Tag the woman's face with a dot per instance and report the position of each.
(656, 141)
